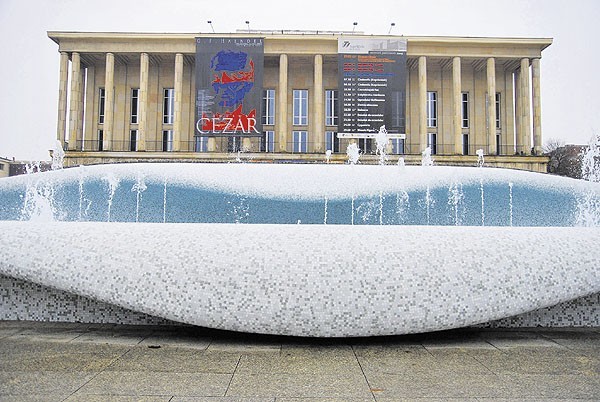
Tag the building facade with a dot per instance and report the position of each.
(133, 97)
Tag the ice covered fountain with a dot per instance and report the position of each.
(311, 250)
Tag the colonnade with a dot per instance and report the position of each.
(527, 98)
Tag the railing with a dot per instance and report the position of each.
(259, 145)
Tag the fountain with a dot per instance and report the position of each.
(380, 250)
(353, 153)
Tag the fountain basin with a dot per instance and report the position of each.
(481, 244)
(308, 280)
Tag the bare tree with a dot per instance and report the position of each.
(565, 160)
(551, 145)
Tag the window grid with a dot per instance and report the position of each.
(432, 142)
(331, 107)
(431, 109)
(332, 141)
(300, 141)
(168, 105)
(133, 135)
(268, 117)
(498, 110)
(397, 146)
(101, 104)
(268, 141)
(465, 110)
(167, 141)
(201, 144)
(300, 107)
(134, 105)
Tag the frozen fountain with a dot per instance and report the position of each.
(380, 250)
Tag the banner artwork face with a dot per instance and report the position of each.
(372, 82)
(229, 76)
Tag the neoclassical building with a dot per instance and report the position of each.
(147, 97)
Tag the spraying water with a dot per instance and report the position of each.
(455, 201)
(381, 140)
(353, 153)
(139, 187)
(480, 158)
(325, 215)
(113, 183)
(165, 202)
(588, 208)
(510, 202)
(482, 202)
(426, 159)
(58, 156)
(381, 208)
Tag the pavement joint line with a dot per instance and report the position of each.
(233, 374)
(98, 373)
(363, 373)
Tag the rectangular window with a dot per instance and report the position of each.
(100, 140)
(267, 142)
(167, 145)
(365, 145)
(465, 144)
(498, 110)
(432, 142)
(1, 166)
(332, 141)
(331, 107)
(398, 111)
(300, 107)
(300, 141)
(133, 134)
(168, 105)
(498, 144)
(201, 144)
(101, 101)
(134, 105)
(432, 109)
(397, 146)
(465, 110)
(268, 117)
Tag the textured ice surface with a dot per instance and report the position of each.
(313, 280)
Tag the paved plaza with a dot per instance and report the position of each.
(103, 362)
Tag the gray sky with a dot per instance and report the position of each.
(29, 68)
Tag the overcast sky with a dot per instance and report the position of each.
(30, 61)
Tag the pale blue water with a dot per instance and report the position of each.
(531, 206)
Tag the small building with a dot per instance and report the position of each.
(293, 95)
(4, 167)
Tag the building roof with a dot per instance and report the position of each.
(298, 42)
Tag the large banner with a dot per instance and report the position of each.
(372, 83)
(229, 77)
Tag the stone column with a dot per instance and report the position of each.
(318, 108)
(518, 114)
(143, 102)
(422, 103)
(282, 104)
(177, 113)
(508, 126)
(75, 99)
(537, 106)
(82, 80)
(525, 107)
(457, 102)
(61, 127)
(109, 94)
(491, 102)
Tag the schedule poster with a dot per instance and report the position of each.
(372, 83)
